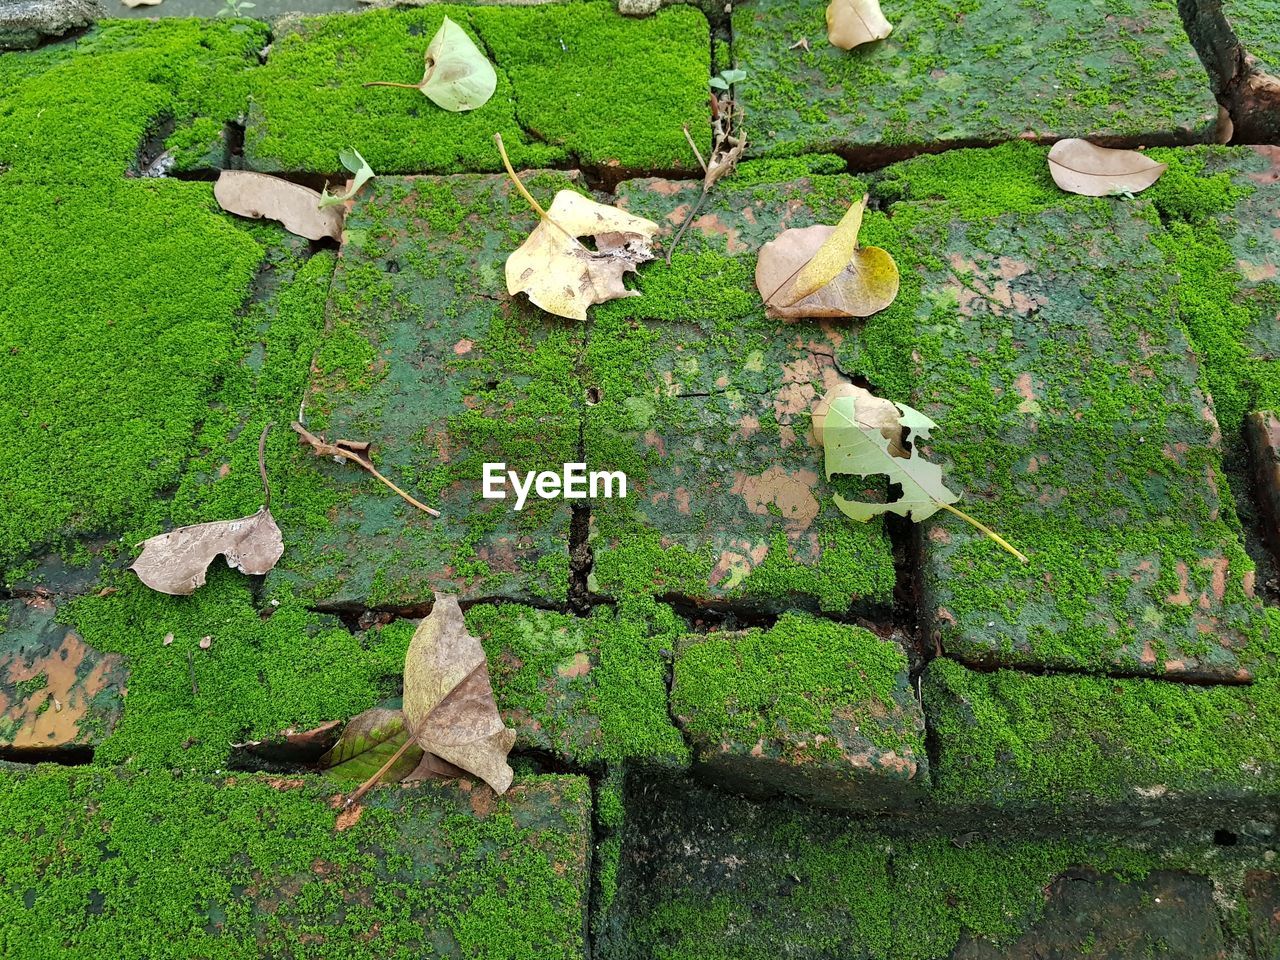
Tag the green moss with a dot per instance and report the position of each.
(591, 688)
(1012, 739)
(551, 105)
(158, 865)
(78, 113)
(790, 682)
(25, 688)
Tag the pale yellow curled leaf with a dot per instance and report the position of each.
(862, 437)
(177, 562)
(448, 701)
(261, 196)
(831, 258)
(851, 23)
(867, 284)
(456, 75)
(560, 275)
(131, 4)
(874, 412)
(1080, 167)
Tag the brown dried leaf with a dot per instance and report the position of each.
(560, 274)
(176, 562)
(1080, 167)
(448, 701)
(851, 23)
(259, 196)
(432, 767)
(867, 285)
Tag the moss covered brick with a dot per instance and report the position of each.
(1043, 334)
(160, 865)
(809, 707)
(590, 689)
(576, 82)
(1016, 741)
(426, 357)
(78, 112)
(965, 72)
(55, 691)
(1256, 26)
(704, 403)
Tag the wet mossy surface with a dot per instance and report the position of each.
(970, 73)
(161, 865)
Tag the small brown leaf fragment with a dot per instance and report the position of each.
(168, 639)
(1225, 128)
(432, 767)
(206, 642)
(1078, 166)
(867, 285)
(261, 196)
(851, 23)
(176, 562)
(448, 700)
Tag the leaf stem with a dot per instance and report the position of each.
(262, 466)
(368, 784)
(388, 83)
(985, 529)
(528, 197)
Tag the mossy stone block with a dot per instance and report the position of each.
(159, 865)
(79, 112)
(970, 73)
(1262, 899)
(704, 403)
(588, 689)
(807, 707)
(576, 82)
(1166, 914)
(1256, 25)
(1017, 741)
(56, 691)
(1072, 419)
(426, 357)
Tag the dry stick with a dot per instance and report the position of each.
(262, 466)
(368, 784)
(985, 529)
(325, 449)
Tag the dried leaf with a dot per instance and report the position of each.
(836, 252)
(857, 435)
(368, 741)
(560, 274)
(851, 23)
(291, 746)
(258, 196)
(457, 76)
(1079, 167)
(360, 170)
(131, 4)
(432, 767)
(865, 435)
(867, 284)
(176, 562)
(448, 701)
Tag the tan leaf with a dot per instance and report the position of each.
(448, 701)
(851, 23)
(176, 562)
(259, 196)
(560, 274)
(867, 284)
(874, 412)
(140, 3)
(832, 257)
(432, 767)
(1080, 167)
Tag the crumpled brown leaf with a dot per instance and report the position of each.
(851, 23)
(867, 283)
(1078, 166)
(448, 700)
(177, 562)
(259, 195)
(560, 274)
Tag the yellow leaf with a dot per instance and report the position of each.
(832, 257)
(867, 284)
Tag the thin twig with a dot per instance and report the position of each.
(262, 466)
(368, 784)
(191, 666)
(322, 448)
(694, 147)
(687, 220)
(727, 147)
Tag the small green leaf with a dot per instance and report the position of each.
(369, 741)
(734, 76)
(719, 84)
(351, 159)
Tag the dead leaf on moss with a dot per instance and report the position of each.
(259, 196)
(821, 271)
(1078, 166)
(176, 562)
(131, 4)
(457, 75)
(448, 700)
(851, 23)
